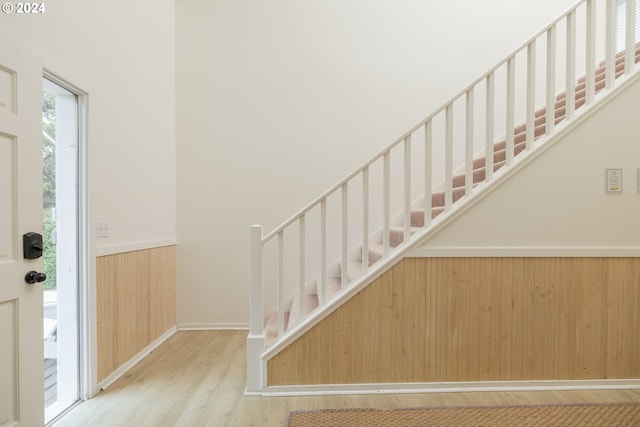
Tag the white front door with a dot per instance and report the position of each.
(21, 339)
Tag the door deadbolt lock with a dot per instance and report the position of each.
(35, 277)
(32, 245)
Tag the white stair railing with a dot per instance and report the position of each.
(338, 238)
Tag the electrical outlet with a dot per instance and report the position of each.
(103, 229)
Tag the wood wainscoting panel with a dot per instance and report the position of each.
(477, 319)
(136, 303)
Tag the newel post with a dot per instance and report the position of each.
(255, 340)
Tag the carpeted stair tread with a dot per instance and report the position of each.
(396, 235)
(417, 215)
(376, 250)
(438, 199)
(296, 315)
(619, 58)
(271, 325)
(354, 270)
(460, 180)
(311, 288)
(520, 133)
(435, 211)
(500, 149)
(334, 284)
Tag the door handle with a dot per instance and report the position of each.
(34, 277)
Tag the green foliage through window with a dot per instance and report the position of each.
(49, 186)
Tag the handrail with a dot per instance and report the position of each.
(431, 116)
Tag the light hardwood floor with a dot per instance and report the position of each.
(197, 378)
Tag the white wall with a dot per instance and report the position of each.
(559, 203)
(122, 54)
(278, 100)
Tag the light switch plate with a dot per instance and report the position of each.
(613, 180)
(103, 229)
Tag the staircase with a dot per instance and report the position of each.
(383, 243)
(294, 313)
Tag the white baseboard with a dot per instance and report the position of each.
(457, 387)
(213, 326)
(512, 251)
(135, 359)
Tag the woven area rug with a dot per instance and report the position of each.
(550, 415)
